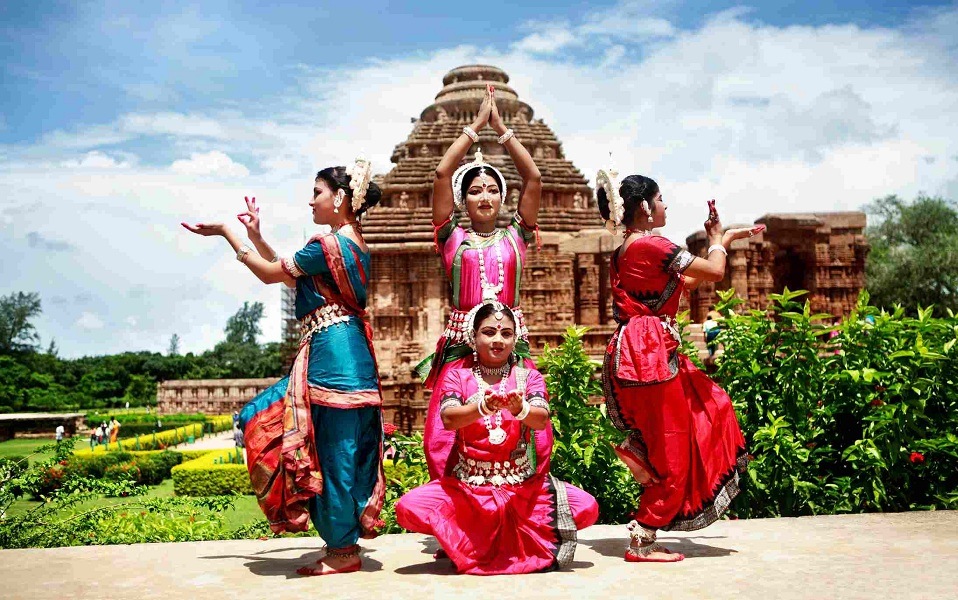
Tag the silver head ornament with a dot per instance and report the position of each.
(461, 172)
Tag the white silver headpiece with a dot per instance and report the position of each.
(471, 319)
(608, 180)
(360, 174)
(461, 172)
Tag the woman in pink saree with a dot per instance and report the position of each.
(498, 511)
(482, 262)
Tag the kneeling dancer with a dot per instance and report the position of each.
(498, 510)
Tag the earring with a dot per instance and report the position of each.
(475, 357)
(646, 210)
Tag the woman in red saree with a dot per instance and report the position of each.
(498, 510)
(684, 444)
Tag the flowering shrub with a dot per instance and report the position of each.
(852, 415)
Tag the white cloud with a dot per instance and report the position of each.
(209, 163)
(546, 41)
(90, 321)
(94, 160)
(765, 119)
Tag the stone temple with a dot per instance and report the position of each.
(566, 283)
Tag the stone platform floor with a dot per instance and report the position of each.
(896, 556)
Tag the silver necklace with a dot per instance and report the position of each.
(497, 435)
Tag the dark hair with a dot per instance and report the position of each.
(488, 309)
(633, 189)
(337, 179)
(472, 174)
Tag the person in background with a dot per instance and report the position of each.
(59, 432)
(114, 430)
(711, 328)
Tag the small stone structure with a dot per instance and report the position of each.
(208, 396)
(38, 423)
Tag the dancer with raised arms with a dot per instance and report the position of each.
(482, 261)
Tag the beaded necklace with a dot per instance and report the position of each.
(497, 434)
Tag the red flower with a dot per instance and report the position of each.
(877, 402)
(389, 428)
(811, 445)
(64, 462)
(917, 457)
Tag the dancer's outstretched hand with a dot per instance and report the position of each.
(250, 218)
(736, 234)
(206, 229)
(493, 400)
(495, 121)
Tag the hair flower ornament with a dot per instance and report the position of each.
(360, 174)
(461, 172)
(608, 180)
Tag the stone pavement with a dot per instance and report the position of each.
(896, 556)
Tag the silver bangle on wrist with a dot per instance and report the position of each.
(526, 407)
(483, 409)
(505, 137)
(718, 247)
(242, 253)
(469, 131)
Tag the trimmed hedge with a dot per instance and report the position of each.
(163, 439)
(211, 475)
(153, 466)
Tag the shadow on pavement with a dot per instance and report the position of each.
(615, 547)
(267, 566)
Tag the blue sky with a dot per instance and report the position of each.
(118, 121)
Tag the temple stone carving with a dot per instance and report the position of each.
(823, 253)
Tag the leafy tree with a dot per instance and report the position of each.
(174, 348)
(243, 327)
(17, 333)
(914, 254)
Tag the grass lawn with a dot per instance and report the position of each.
(25, 446)
(245, 509)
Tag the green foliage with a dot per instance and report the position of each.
(583, 452)
(152, 467)
(34, 381)
(914, 254)
(849, 416)
(212, 475)
(243, 327)
(405, 471)
(64, 517)
(17, 333)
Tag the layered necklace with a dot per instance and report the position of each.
(493, 423)
(489, 291)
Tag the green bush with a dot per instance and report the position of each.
(850, 415)
(14, 465)
(405, 471)
(153, 466)
(205, 476)
(583, 452)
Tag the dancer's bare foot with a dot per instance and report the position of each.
(653, 552)
(336, 561)
(644, 548)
